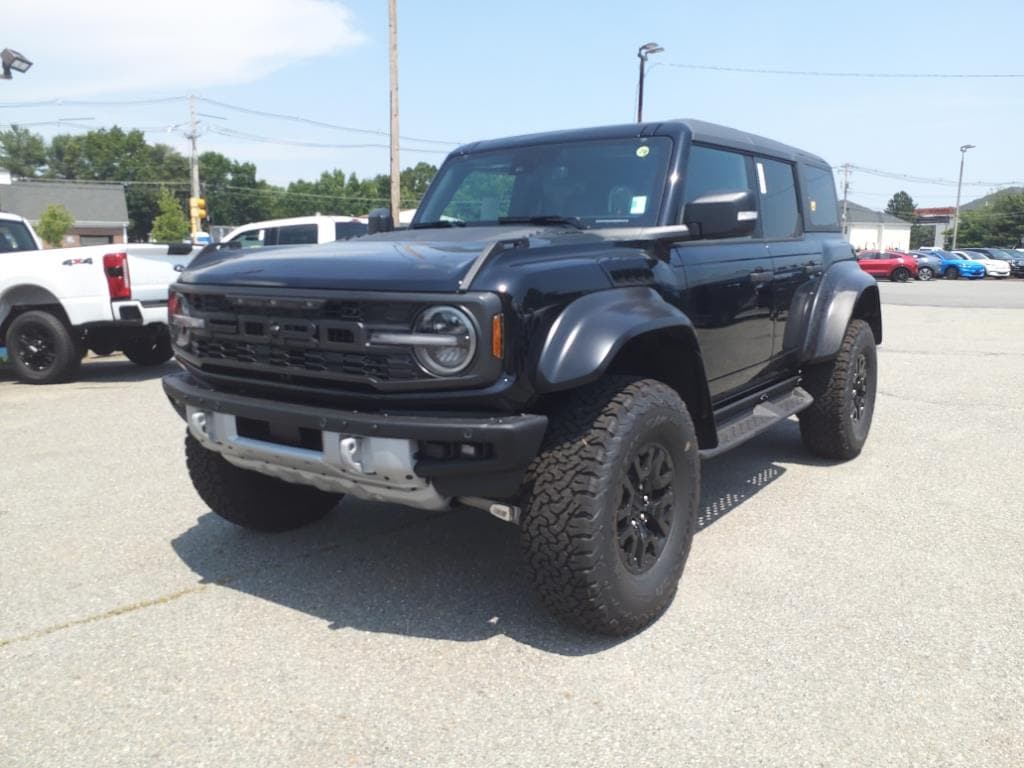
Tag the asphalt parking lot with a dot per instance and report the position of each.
(866, 614)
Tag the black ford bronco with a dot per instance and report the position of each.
(572, 321)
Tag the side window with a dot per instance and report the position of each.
(298, 234)
(780, 216)
(343, 230)
(710, 171)
(251, 239)
(821, 208)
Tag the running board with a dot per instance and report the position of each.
(764, 415)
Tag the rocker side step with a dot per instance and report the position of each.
(750, 423)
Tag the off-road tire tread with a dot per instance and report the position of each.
(560, 527)
(823, 425)
(249, 499)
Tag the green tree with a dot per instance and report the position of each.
(921, 235)
(901, 205)
(55, 222)
(233, 193)
(22, 152)
(170, 224)
(1000, 223)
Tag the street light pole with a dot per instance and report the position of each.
(959, 184)
(396, 174)
(12, 60)
(642, 53)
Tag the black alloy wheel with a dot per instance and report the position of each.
(952, 273)
(36, 346)
(859, 387)
(646, 508)
(900, 275)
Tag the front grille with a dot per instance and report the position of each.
(392, 366)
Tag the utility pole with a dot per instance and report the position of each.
(193, 135)
(959, 184)
(846, 195)
(396, 173)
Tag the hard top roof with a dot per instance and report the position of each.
(696, 130)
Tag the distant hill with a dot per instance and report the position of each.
(987, 200)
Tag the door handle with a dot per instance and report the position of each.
(811, 268)
(761, 275)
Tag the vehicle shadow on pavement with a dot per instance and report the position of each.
(106, 370)
(453, 575)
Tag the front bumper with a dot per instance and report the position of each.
(446, 456)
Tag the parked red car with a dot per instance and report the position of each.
(896, 265)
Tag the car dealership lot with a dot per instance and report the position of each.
(863, 614)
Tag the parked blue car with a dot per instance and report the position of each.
(953, 266)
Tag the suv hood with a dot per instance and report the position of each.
(427, 260)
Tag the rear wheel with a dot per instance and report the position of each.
(43, 349)
(249, 499)
(925, 273)
(900, 275)
(613, 506)
(150, 349)
(837, 423)
(951, 273)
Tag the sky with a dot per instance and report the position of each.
(481, 70)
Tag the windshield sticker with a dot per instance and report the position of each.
(814, 206)
(638, 204)
(643, 151)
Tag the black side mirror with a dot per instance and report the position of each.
(728, 214)
(380, 220)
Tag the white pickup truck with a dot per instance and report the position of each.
(55, 304)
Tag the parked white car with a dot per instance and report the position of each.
(55, 304)
(301, 230)
(993, 267)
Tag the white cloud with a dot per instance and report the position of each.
(103, 46)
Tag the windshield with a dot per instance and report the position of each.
(14, 236)
(603, 183)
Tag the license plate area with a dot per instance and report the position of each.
(280, 434)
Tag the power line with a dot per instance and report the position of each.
(90, 102)
(929, 180)
(231, 133)
(320, 123)
(866, 75)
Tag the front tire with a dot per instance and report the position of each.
(613, 506)
(952, 273)
(837, 423)
(249, 499)
(925, 274)
(43, 351)
(150, 349)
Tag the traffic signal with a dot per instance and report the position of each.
(197, 207)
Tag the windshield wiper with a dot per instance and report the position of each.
(572, 221)
(440, 224)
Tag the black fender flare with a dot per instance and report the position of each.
(845, 289)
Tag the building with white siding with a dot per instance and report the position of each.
(875, 230)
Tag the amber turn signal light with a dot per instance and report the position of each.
(498, 336)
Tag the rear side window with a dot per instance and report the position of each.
(297, 234)
(14, 236)
(343, 230)
(821, 210)
(780, 214)
(714, 171)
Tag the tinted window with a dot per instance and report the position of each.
(604, 183)
(820, 206)
(780, 216)
(343, 230)
(712, 171)
(14, 236)
(297, 234)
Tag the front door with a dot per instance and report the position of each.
(728, 282)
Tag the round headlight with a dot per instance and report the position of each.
(456, 341)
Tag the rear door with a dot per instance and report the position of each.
(728, 293)
(796, 260)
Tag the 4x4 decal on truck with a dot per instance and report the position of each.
(73, 262)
